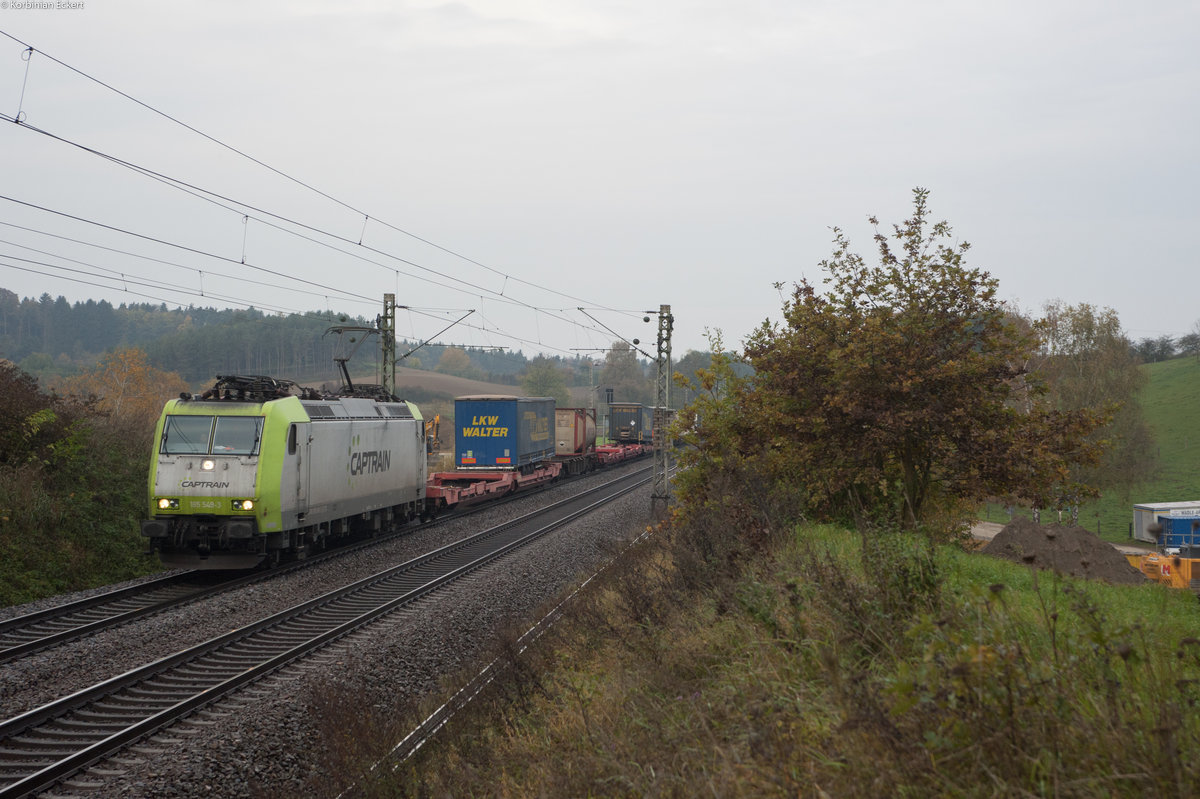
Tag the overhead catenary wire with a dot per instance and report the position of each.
(357, 297)
(177, 246)
(496, 330)
(228, 203)
(215, 197)
(291, 178)
(123, 275)
(126, 289)
(297, 181)
(160, 261)
(633, 343)
(30, 50)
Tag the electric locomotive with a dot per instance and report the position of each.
(249, 473)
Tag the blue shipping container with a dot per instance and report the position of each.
(1180, 531)
(503, 432)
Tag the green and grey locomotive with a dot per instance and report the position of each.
(248, 473)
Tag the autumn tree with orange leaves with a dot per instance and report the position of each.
(126, 388)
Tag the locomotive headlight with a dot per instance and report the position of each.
(243, 504)
(166, 503)
(208, 464)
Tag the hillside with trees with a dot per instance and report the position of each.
(51, 339)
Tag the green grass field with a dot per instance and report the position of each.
(1171, 404)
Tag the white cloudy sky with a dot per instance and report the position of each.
(615, 155)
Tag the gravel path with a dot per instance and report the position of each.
(257, 745)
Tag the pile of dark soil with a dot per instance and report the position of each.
(1068, 550)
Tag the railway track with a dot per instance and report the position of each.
(48, 744)
(33, 632)
(24, 635)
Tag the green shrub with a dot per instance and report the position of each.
(72, 489)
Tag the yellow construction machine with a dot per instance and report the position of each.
(1177, 560)
(432, 442)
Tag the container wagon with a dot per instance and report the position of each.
(575, 439)
(630, 423)
(501, 444)
(503, 432)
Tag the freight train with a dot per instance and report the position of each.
(256, 470)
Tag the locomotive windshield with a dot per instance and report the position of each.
(216, 435)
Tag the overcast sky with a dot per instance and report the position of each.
(521, 155)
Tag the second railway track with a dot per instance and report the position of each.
(33, 632)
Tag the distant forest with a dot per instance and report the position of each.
(51, 337)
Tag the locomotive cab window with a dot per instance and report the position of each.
(236, 435)
(217, 435)
(187, 435)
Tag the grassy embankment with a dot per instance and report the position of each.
(811, 670)
(806, 668)
(1171, 403)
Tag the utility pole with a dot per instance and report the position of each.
(592, 367)
(660, 495)
(387, 332)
